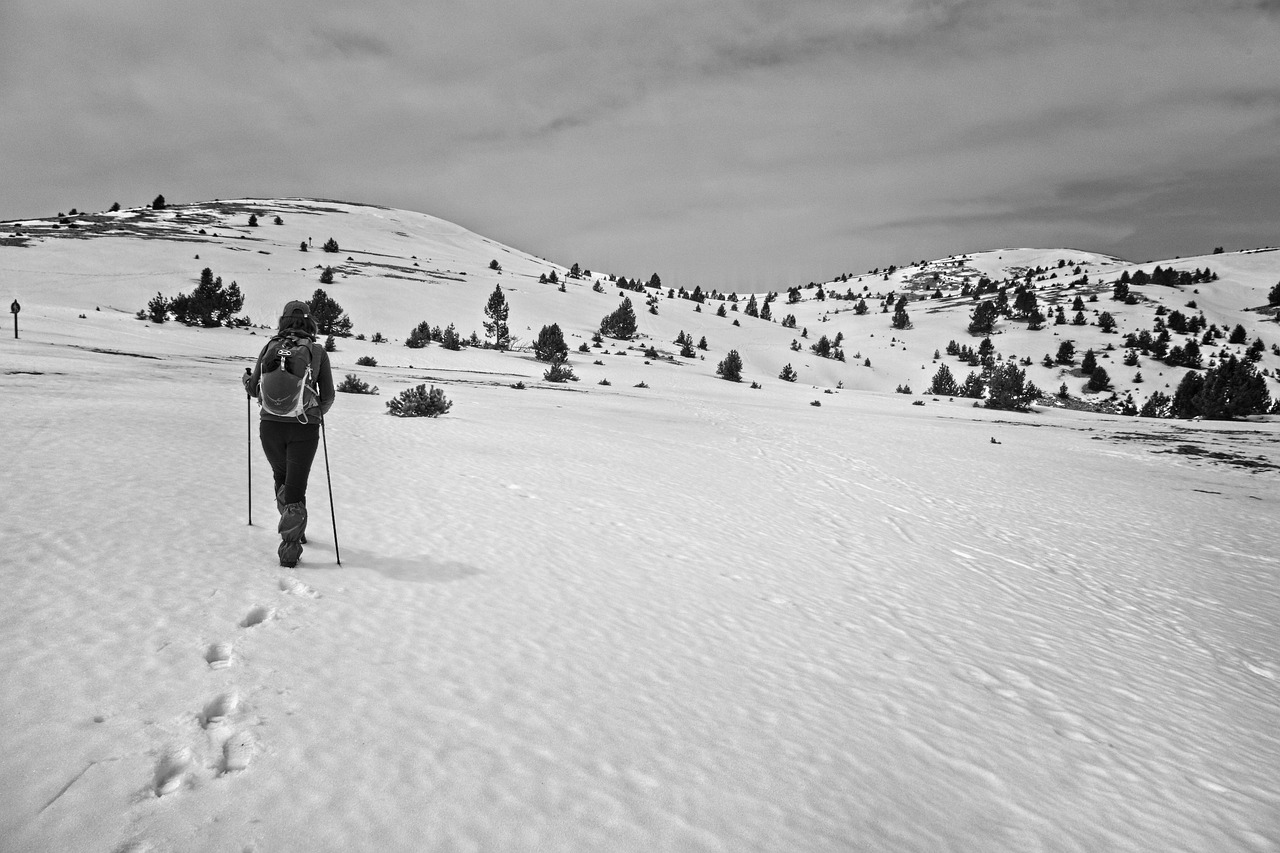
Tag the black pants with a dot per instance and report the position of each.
(290, 448)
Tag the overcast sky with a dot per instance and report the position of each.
(732, 143)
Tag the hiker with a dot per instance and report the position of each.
(294, 386)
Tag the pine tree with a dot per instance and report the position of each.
(900, 318)
(788, 374)
(1156, 406)
(158, 308)
(159, 203)
(1089, 363)
(983, 319)
(326, 275)
(944, 383)
(328, 314)
(621, 323)
(972, 386)
(331, 245)
(1009, 389)
(550, 345)
(730, 367)
(496, 309)
(449, 339)
(419, 337)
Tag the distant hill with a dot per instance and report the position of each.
(394, 269)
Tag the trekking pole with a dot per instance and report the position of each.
(325, 441)
(248, 434)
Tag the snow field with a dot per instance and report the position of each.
(592, 618)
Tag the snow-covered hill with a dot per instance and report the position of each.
(692, 616)
(396, 268)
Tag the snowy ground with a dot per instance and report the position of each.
(693, 617)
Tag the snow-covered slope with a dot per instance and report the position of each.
(687, 617)
(397, 268)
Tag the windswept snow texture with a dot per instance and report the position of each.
(689, 617)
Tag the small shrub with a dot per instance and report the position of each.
(519, 386)
(560, 372)
(604, 382)
(353, 384)
(367, 361)
(642, 384)
(419, 403)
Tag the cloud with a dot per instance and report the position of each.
(351, 44)
(722, 140)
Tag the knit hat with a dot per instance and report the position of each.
(296, 316)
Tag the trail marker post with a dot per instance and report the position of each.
(15, 308)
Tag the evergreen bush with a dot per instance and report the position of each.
(353, 384)
(419, 337)
(419, 403)
(560, 372)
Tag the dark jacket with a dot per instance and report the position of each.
(321, 374)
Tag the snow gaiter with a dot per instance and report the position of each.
(293, 521)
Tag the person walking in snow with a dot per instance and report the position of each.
(293, 383)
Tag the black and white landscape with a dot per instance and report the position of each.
(645, 608)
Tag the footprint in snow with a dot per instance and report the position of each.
(259, 614)
(171, 771)
(218, 656)
(238, 752)
(293, 586)
(219, 708)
